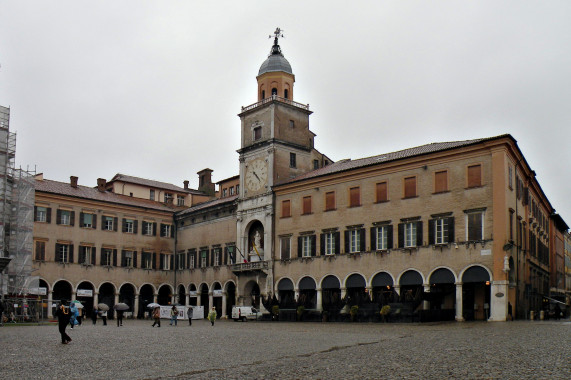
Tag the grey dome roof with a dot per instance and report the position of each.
(275, 62)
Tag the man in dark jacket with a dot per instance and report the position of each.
(63, 315)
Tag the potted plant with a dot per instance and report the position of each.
(275, 312)
(300, 311)
(353, 312)
(385, 311)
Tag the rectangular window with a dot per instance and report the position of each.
(203, 255)
(64, 217)
(127, 261)
(474, 175)
(292, 160)
(180, 261)
(128, 226)
(286, 209)
(330, 201)
(257, 133)
(63, 253)
(441, 231)
(475, 226)
(149, 228)
(40, 254)
(441, 181)
(285, 245)
(306, 205)
(354, 241)
(410, 187)
(410, 234)
(41, 214)
(106, 257)
(166, 262)
(382, 192)
(152, 195)
(232, 190)
(511, 216)
(237, 189)
(87, 220)
(85, 255)
(216, 257)
(224, 192)
(191, 263)
(510, 176)
(168, 197)
(180, 200)
(329, 242)
(231, 251)
(354, 197)
(166, 230)
(306, 246)
(315, 164)
(382, 237)
(108, 223)
(147, 260)
(291, 123)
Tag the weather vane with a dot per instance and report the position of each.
(278, 33)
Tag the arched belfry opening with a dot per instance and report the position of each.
(256, 241)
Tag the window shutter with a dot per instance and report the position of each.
(172, 230)
(154, 260)
(93, 253)
(401, 235)
(313, 245)
(337, 242)
(81, 224)
(354, 197)
(474, 175)
(161, 260)
(71, 253)
(225, 256)
(330, 201)
(451, 237)
(135, 226)
(58, 252)
(418, 234)
(440, 181)
(94, 221)
(347, 241)
(124, 225)
(35, 213)
(389, 237)
(81, 255)
(172, 261)
(123, 259)
(58, 216)
(49, 215)
(101, 257)
(431, 231)
(306, 205)
(207, 258)
(299, 246)
(373, 238)
(322, 244)
(382, 195)
(363, 241)
(410, 187)
(115, 222)
(114, 257)
(134, 259)
(212, 256)
(154, 228)
(72, 218)
(286, 209)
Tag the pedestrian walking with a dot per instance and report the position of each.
(119, 318)
(94, 315)
(63, 316)
(212, 315)
(510, 315)
(104, 317)
(73, 315)
(157, 317)
(190, 313)
(174, 315)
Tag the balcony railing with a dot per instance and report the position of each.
(276, 98)
(251, 266)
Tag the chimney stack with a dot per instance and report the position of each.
(101, 182)
(185, 185)
(73, 181)
(205, 181)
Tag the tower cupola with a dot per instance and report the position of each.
(275, 76)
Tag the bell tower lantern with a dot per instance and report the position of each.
(275, 76)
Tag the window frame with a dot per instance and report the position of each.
(469, 176)
(306, 245)
(41, 210)
(329, 248)
(282, 240)
(333, 201)
(410, 234)
(382, 237)
(354, 241)
(405, 186)
(292, 160)
(108, 223)
(284, 207)
(306, 205)
(354, 196)
(379, 192)
(446, 188)
(41, 255)
(482, 224)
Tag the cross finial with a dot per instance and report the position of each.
(278, 33)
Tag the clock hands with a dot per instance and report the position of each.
(257, 176)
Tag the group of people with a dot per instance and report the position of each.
(156, 314)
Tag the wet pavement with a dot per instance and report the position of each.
(289, 350)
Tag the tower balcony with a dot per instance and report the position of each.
(275, 98)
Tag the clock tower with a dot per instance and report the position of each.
(276, 145)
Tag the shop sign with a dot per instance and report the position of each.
(84, 293)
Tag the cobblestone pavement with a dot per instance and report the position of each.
(271, 350)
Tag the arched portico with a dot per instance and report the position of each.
(229, 297)
(146, 296)
(382, 286)
(440, 295)
(307, 293)
(476, 286)
(286, 293)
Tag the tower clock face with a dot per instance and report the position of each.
(256, 175)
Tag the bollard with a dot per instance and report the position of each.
(541, 315)
(532, 315)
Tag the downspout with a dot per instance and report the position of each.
(517, 244)
(175, 256)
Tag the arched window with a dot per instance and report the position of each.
(263, 94)
(286, 94)
(274, 91)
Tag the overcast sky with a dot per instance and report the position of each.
(153, 88)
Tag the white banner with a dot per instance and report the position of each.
(197, 312)
(38, 291)
(217, 293)
(84, 293)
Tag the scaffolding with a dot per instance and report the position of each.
(17, 192)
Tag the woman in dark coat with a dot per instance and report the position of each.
(63, 315)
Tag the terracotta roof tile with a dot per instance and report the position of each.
(151, 183)
(212, 203)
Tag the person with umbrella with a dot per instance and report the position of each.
(174, 315)
(73, 314)
(63, 316)
(157, 316)
(212, 315)
(94, 315)
(120, 307)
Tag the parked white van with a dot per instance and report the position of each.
(243, 313)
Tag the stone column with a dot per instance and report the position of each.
(73, 295)
(224, 305)
(397, 289)
(426, 303)
(187, 299)
(136, 306)
(499, 301)
(95, 299)
(319, 305)
(343, 292)
(210, 302)
(173, 299)
(459, 311)
(116, 302)
(296, 294)
(155, 297)
(198, 301)
(50, 303)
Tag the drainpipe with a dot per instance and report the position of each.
(517, 245)
(175, 257)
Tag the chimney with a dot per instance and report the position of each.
(101, 182)
(205, 181)
(73, 181)
(185, 185)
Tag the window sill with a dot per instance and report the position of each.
(285, 217)
(331, 209)
(354, 206)
(415, 196)
(473, 187)
(307, 213)
(379, 202)
(441, 192)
